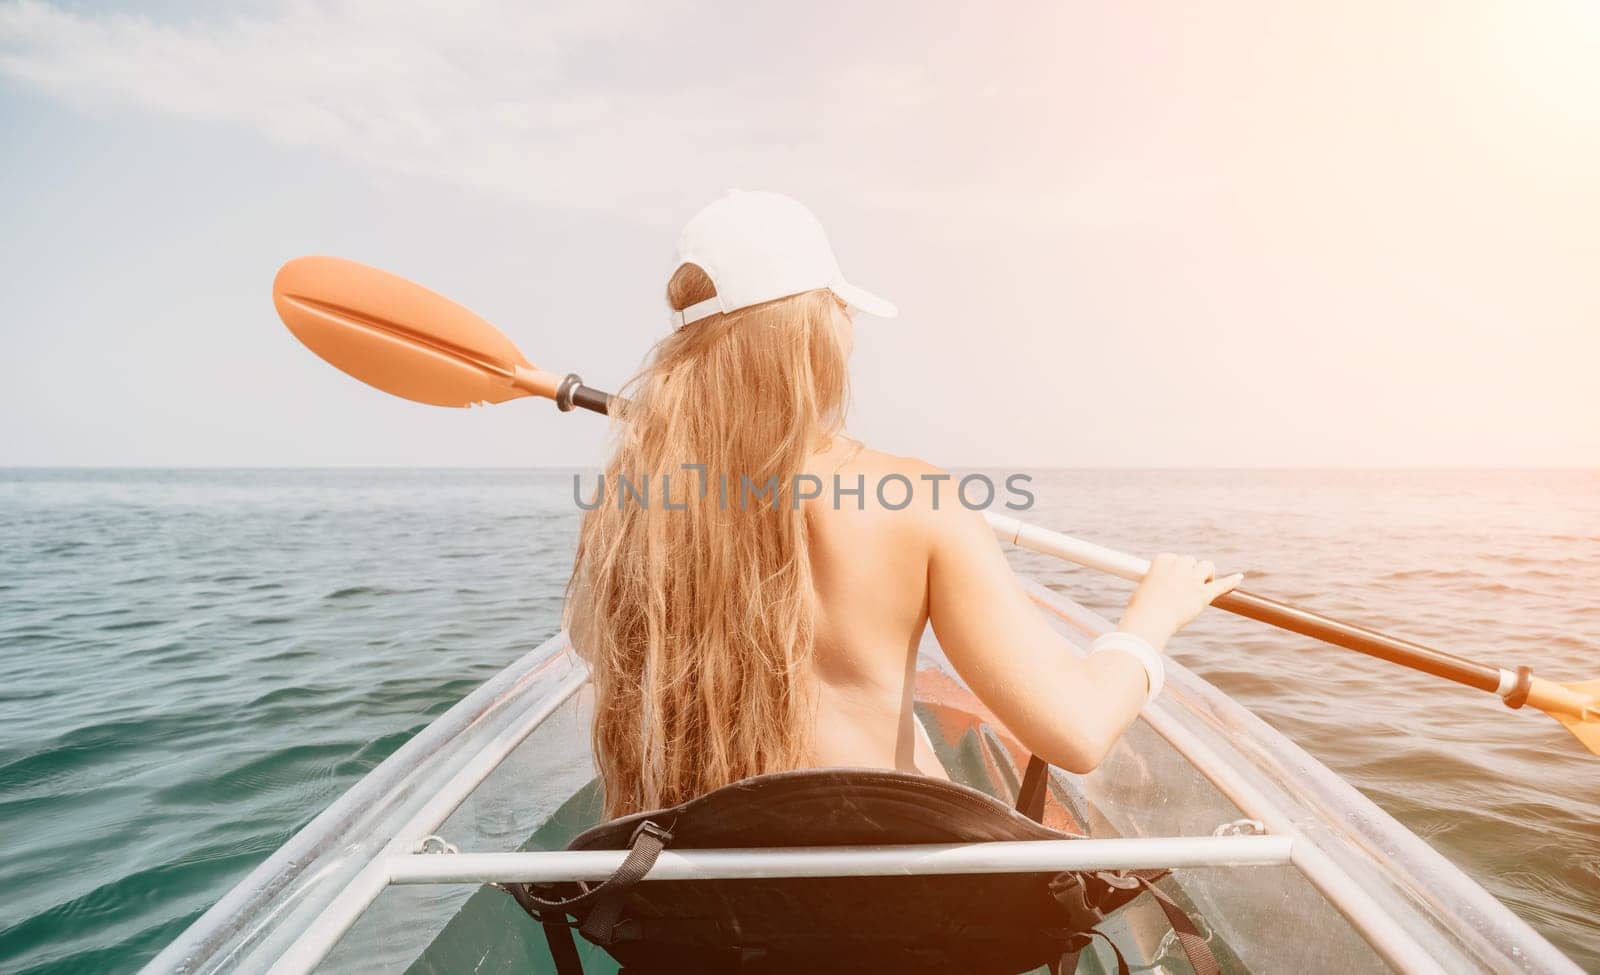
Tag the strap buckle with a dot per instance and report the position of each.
(653, 830)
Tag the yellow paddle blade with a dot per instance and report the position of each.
(401, 337)
(1586, 728)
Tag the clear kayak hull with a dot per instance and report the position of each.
(509, 769)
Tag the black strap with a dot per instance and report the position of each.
(1194, 945)
(557, 934)
(646, 845)
(1068, 963)
(1519, 691)
(563, 951)
(604, 903)
(1030, 797)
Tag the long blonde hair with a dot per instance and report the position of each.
(698, 623)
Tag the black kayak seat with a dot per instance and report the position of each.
(973, 924)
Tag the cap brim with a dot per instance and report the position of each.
(863, 300)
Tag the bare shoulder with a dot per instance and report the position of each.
(924, 496)
(870, 460)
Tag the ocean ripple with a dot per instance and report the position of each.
(194, 663)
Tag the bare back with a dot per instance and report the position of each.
(883, 574)
(870, 569)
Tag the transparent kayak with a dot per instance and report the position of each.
(1283, 864)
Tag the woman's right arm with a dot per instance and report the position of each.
(1069, 710)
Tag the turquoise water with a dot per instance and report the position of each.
(193, 663)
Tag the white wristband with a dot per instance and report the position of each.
(1154, 669)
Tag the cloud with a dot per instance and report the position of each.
(469, 93)
(620, 105)
(472, 94)
(594, 104)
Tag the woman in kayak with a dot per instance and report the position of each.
(749, 599)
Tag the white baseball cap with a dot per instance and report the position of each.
(758, 247)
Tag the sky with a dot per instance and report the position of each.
(1230, 234)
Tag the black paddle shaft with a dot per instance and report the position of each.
(572, 393)
(1360, 639)
(1246, 604)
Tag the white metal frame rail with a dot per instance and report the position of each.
(1026, 856)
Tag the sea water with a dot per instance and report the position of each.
(193, 663)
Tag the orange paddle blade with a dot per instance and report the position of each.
(401, 337)
(1586, 728)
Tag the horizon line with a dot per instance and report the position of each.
(1430, 468)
